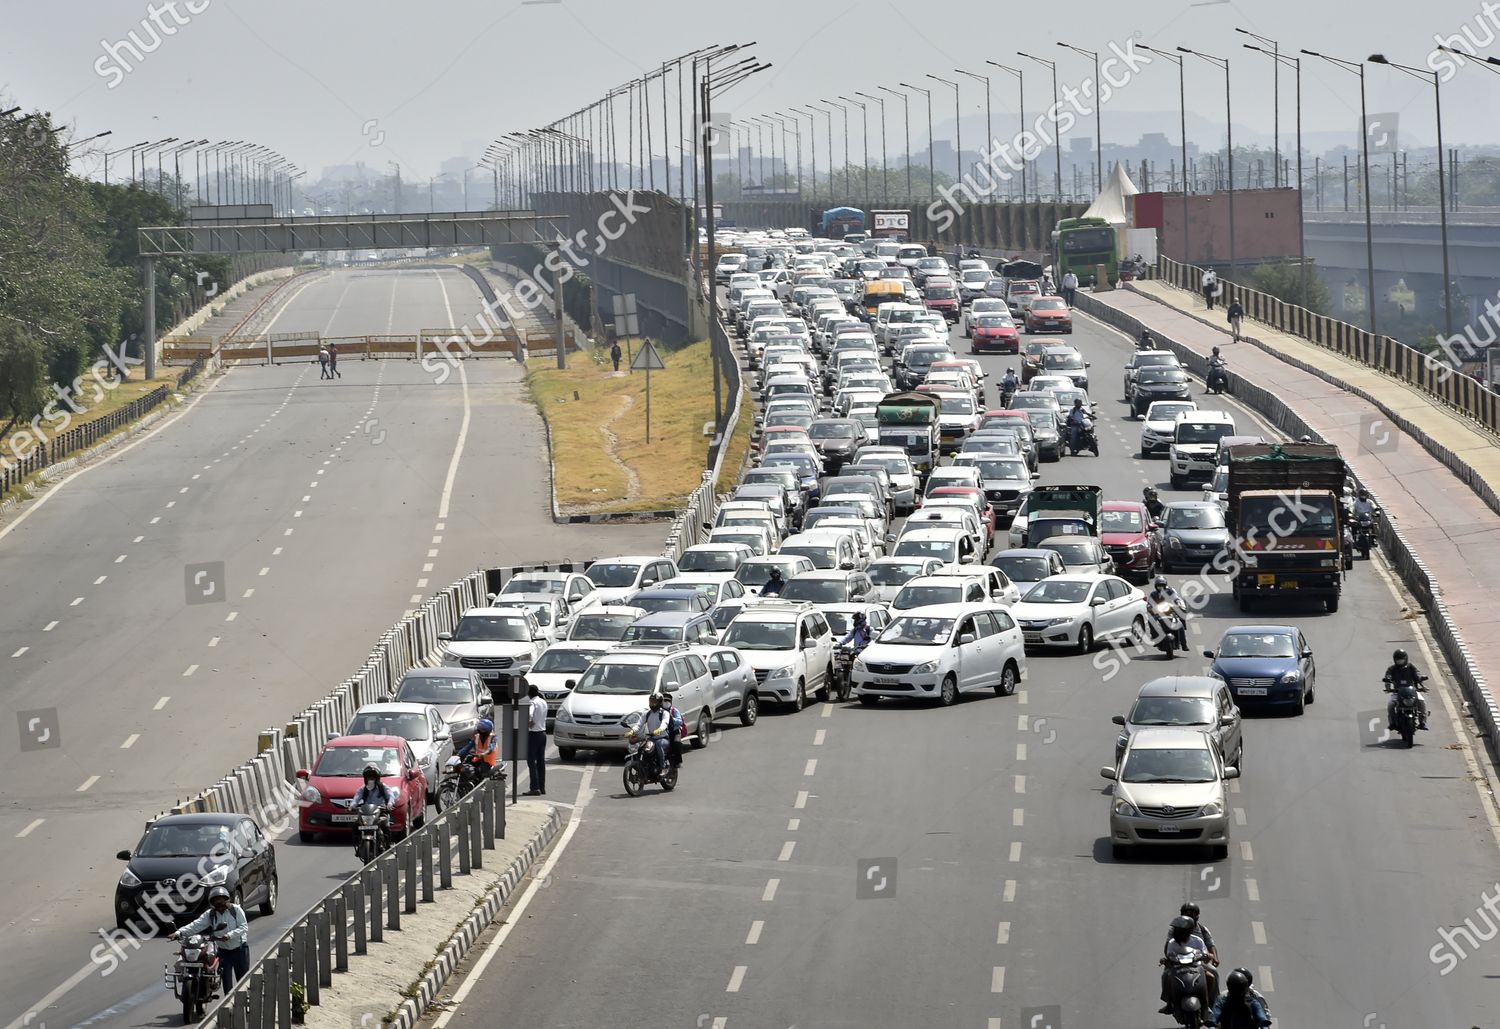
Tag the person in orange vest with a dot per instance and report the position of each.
(483, 747)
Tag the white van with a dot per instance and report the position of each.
(890, 315)
(1195, 444)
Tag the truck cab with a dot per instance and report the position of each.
(1285, 512)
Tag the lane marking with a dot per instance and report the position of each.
(786, 850)
(20, 652)
(1022, 722)
(997, 979)
(1002, 937)
(27, 832)
(49, 626)
(812, 766)
(183, 490)
(248, 594)
(231, 616)
(736, 980)
(161, 703)
(427, 567)
(277, 551)
(1020, 784)
(754, 936)
(1239, 816)
(137, 539)
(801, 801)
(793, 824)
(1258, 930)
(120, 559)
(1015, 851)
(1023, 696)
(437, 539)
(100, 581)
(130, 741)
(190, 670)
(463, 429)
(819, 736)
(265, 571)
(416, 599)
(1252, 891)
(1020, 752)
(287, 533)
(1009, 894)
(1018, 817)
(155, 520)
(1263, 978)
(76, 602)
(213, 641)
(770, 891)
(432, 553)
(827, 711)
(1245, 853)
(87, 783)
(421, 584)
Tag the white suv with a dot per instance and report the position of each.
(939, 652)
(1195, 445)
(789, 646)
(500, 643)
(620, 683)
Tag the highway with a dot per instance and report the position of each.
(745, 899)
(320, 512)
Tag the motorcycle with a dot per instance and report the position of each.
(1005, 397)
(1408, 715)
(1364, 534)
(1088, 439)
(194, 978)
(461, 777)
(843, 665)
(642, 763)
(1189, 988)
(1168, 628)
(372, 829)
(1218, 379)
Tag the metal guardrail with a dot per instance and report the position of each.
(81, 437)
(360, 910)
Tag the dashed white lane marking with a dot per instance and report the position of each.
(231, 616)
(812, 766)
(1002, 937)
(432, 553)
(171, 503)
(801, 801)
(1018, 817)
(265, 571)
(100, 581)
(306, 499)
(1022, 721)
(769, 893)
(1245, 853)
(1234, 786)
(1258, 931)
(287, 533)
(312, 485)
(1239, 816)
(427, 567)
(161, 703)
(819, 736)
(736, 980)
(754, 935)
(1008, 895)
(183, 490)
(1015, 851)
(49, 626)
(29, 829)
(421, 584)
(248, 593)
(120, 559)
(197, 475)
(1252, 891)
(786, 850)
(87, 783)
(130, 741)
(416, 598)
(1023, 696)
(993, 1023)
(793, 824)
(1263, 977)
(1020, 752)
(296, 514)
(213, 641)
(138, 539)
(190, 670)
(1020, 784)
(277, 551)
(437, 539)
(156, 519)
(76, 602)
(18, 653)
(997, 979)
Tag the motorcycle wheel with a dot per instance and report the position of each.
(1364, 552)
(634, 780)
(669, 780)
(447, 796)
(187, 1006)
(1408, 737)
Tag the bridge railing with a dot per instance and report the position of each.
(1463, 393)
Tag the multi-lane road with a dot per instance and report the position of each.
(318, 513)
(747, 897)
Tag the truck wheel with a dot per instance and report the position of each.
(1333, 603)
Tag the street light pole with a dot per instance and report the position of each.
(906, 106)
(1296, 62)
(958, 144)
(989, 129)
(1021, 85)
(1276, 62)
(1098, 128)
(885, 170)
(865, 115)
(841, 107)
(931, 152)
(1057, 143)
(828, 127)
(1364, 148)
(1223, 62)
(1187, 251)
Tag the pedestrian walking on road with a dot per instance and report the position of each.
(1236, 317)
(1210, 287)
(536, 743)
(323, 361)
(1069, 287)
(333, 361)
(614, 354)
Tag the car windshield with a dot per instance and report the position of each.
(1079, 553)
(1043, 421)
(944, 550)
(1286, 516)
(1152, 765)
(1202, 432)
(607, 627)
(1120, 521)
(1168, 412)
(761, 635)
(956, 405)
(816, 591)
(1245, 644)
(1023, 568)
(940, 293)
(543, 611)
(639, 633)
(501, 628)
(916, 631)
(1172, 711)
(617, 678)
(612, 575)
(1061, 362)
(1157, 376)
(1194, 518)
(821, 557)
(1048, 305)
(927, 596)
(831, 430)
(1015, 471)
(708, 561)
(894, 574)
(185, 841)
(1058, 591)
(407, 725)
(660, 602)
(435, 689)
(350, 762)
(565, 661)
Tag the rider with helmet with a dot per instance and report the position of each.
(227, 926)
(1162, 591)
(1154, 506)
(1079, 419)
(859, 635)
(1183, 941)
(1363, 506)
(1240, 1006)
(374, 791)
(1191, 910)
(1009, 384)
(773, 585)
(483, 747)
(657, 724)
(1147, 341)
(1403, 673)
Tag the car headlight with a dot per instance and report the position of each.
(782, 673)
(1292, 676)
(859, 665)
(926, 668)
(1122, 740)
(467, 725)
(1125, 809)
(1060, 621)
(1136, 548)
(216, 876)
(1214, 673)
(564, 715)
(1173, 543)
(1212, 809)
(129, 878)
(312, 796)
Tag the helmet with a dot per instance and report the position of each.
(486, 726)
(1149, 492)
(218, 893)
(371, 772)
(859, 618)
(775, 573)
(1077, 401)
(1161, 584)
(655, 700)
(1237, 984)
(1216, 350)
(1249, 978)
(1182, 928)
(1304, 439)
(1399, 658)
(1364, 494)
(1191, 910)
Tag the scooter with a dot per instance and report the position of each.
(1408, 715)
(1168, 628)
(1364, 535)
(1088, 439)
(1218, 379)
(642, 765)
(194, 979)
(1190, 987)
(843, 665)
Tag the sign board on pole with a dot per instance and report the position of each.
(646, 358)
(627, 322)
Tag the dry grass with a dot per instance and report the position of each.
(24, 441)
(739, 447)
(668, 468)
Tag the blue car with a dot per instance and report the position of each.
(1266, 665)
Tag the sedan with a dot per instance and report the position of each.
(1194, 533)
(329, 786)
(1185, 701)
(1049, 314)
(1078, 610)
(419, 725)
(560, 667)
(1080, 554)
(1153, 384)
(459, 694)
(1266, 664)
(1160, 426)
(1170, 790)
(1027, 567)
(168, 874)
(994, 334)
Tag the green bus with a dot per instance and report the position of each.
(1080, 245)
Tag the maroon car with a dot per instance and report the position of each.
(941, 297)
(996, 334)
(1049, 314)
(329, 786)
(1131, 537)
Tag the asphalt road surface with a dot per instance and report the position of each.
(319, 512)
(903, 865)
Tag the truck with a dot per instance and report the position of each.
(1285, 514)
(892, 225)
(910, 421)
(1081, 245)
(839, 221)
(1062, 511)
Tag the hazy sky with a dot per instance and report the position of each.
(379, 81)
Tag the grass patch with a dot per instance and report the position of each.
(580, 402)
(739, 446)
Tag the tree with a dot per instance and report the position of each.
(1283, 280)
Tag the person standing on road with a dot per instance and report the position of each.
(333, 361)
(227, 926)
(323, 361)
(536, 742)
(1069, 287)
(614, 354)
(1236, 315)
(1210, 284)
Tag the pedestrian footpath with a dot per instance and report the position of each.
(1451, 531)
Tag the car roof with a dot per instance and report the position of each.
(440, 672)
(629, 655)
(657, 593)
(1186, 504)
(395, 707)
(627, 558)
(719, 548)
(200, 818)
(822, 573)
(1164, 737)
(940, 531)
(366, 740)
(544, 576)
(613, 609)
(948, 610)
(671, 618)
(1181, 686)
(504, 600)
(1122, 505)
(1260, 630)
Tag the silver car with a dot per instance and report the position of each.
(1170, 791)
(459, 695)
(420, 725)
(1186, 701)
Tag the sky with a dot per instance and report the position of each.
(379, 81)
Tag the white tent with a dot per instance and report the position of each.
(1110, 204)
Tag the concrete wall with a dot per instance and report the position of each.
(1266, 225)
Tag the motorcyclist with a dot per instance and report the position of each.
(677, 729)
(1250, 985)
(227, 926)
(1009, 384)
(1364, 507)
(656, 726)
(1154, 506)
(1078, 420)
(1161, 591)
(374, 791)
(1217, 376)
(1189, 910)
(859, 635)
(1403, 672)
(1147, 341)
(773, 585)
(483, 747)
(1239, 1006)
(1183, 941)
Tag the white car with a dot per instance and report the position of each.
(997, 586)
(1161, 424)
(616, 578)
(960, 516)
(790, 647)
(560, 667)
(937, 590)
(1195, 445)
(897, 464)
(551, 611)
(1081, 610)
(420, 725)
(938, 653)
(981, 306)
(717, 588)
(728, 266)
(889, 574)
(620, 684)
(499, 643)
(947, 544)
(1216, 489)
(604, 623)
(824, 548)
(713, 558)
(573, 587)
(733, 687)
(756, 570)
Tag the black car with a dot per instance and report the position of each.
(1157, 383)
(181, 857)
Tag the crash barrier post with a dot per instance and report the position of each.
(724, 429)
(50, 451)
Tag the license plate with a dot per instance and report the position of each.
(1032, 637)
(595, 734)
(1168, 828)
(1289, 584)
(886, 680)
(1251, 691)
(490, 676)
(344, 818)
(1265, 580)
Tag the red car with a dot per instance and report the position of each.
(941, 297)
(1131, 537)
(339, 773)
(1049, 314)
(994, 333)
(977, 498)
